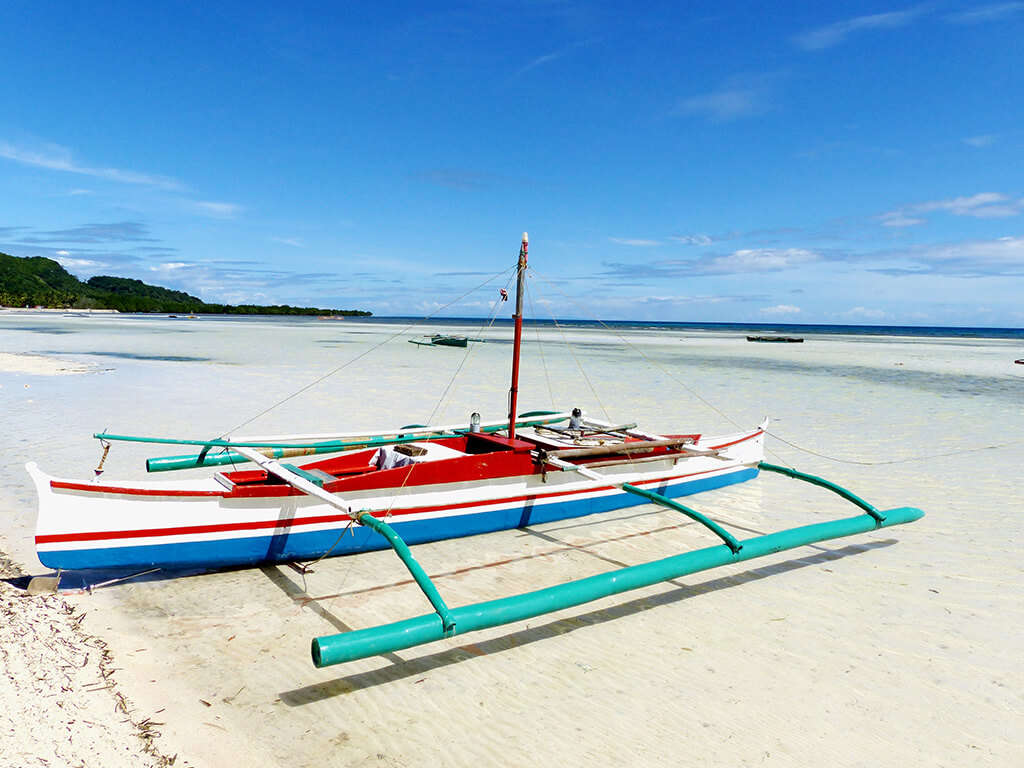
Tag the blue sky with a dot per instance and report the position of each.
(798, 162)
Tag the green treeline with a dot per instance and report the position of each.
(38, 281)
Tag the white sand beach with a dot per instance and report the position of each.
(895, 648)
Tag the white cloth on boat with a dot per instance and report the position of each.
(387, 457)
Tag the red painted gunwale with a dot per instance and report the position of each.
(463, 469)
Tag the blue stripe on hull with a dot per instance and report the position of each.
(289, 547)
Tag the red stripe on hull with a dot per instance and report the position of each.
(91, 488)
(320, 519)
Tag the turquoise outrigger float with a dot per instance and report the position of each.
(447, 622)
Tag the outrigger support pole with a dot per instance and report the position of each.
(822, 482)
(693, 514)
(295, 479)
(421, 577)
(373, 641)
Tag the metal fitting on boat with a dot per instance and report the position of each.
(576, 420)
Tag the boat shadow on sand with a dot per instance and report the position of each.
(402, 668)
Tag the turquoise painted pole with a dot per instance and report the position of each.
(193, 460)
(693, 514)
(281, 450)
(363, 643)
(823, 483)
(421, 577)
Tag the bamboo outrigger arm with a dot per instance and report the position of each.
(373, 641)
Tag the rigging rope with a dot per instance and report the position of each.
(648, 360)
(469, 351)
(908, 460)
(540, 349)
(361, 355)
(638, 350)
(576, 360)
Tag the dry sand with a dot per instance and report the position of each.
(42, 365)
(890, 649)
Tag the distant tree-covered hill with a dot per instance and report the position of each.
(38, 281)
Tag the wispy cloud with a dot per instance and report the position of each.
(547, 58)
(759, 260)
(113, 232)
(738, 98)
(294, 242)
(76, 264)
(984, 140)
(833, 34)
(170, 266)
(57, 158)
(541, 60)
(692, 239)
(215, 210)
(986, 13)
(984, 205)
(634, 242)
(1001, 257)
(742, 261)
(899, 219)
(780, 309)
(863, 313)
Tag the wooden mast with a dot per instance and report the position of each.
(518, 317)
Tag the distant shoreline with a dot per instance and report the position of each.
(917, 331)
(58, 311)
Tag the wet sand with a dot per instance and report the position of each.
(896, 648)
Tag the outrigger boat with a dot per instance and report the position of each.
(442, 340)
(412, 485)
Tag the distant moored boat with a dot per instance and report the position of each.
(783, 339)
(443, 340)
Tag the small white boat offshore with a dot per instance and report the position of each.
(410, 485)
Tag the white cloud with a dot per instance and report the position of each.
(548, 57)
(760, 260)
(292, 241)
(740, 97)
(634, 242)
(169, 266)
(57, 158)
(863, 313)
(70, 263)
(217, 210)
(781, 309)
(899, 219)
(986, 13)
(975, 257)
(980, 205)
(833, 34)
(984, 205)
(983, 140)
(692, 239)
(63, 253)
